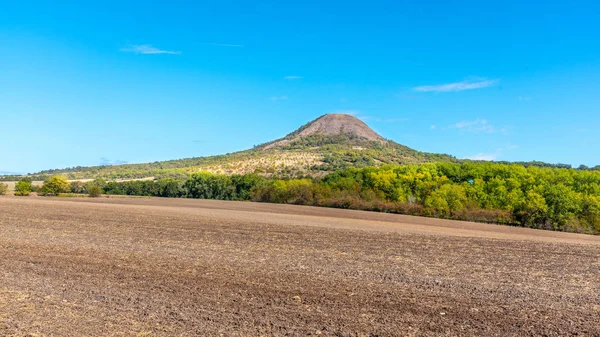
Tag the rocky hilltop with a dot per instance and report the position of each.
(331, 125)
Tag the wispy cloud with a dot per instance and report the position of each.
(494, 155)
(226, 45)
(457, 86)
(293, 78)
(474, 126)
(278, 98)
(484, 156)
(478, 125)
(148, 50)
(524, 98)
(107, 162)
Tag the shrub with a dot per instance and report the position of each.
(23, 187)
(94, 191)
(3, 188)
(486, 215)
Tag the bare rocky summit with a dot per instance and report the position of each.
(334, 124)
(331, 125)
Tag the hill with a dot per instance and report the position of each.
(331, 126)
(328, 143)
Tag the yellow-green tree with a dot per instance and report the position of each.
(23, 187)
(55, 185)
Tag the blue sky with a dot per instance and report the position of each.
(112, 82)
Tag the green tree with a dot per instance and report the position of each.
(245, 184)
(447, 200)
(532, 211)
(591, 212)
(563, 203)
(23, 187)
(206, 185)
(55, 185)
(168, 188)
(100, 182)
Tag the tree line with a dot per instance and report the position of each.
(560, 199)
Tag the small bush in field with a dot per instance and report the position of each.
(94, 191)
(3, 188)
(23, 187)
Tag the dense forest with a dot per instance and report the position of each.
(548, 198)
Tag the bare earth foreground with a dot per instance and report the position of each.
(172, 267)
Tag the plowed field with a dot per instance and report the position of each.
(172, 267)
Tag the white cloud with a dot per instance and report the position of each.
(278, 98)
(457, 86)
(433, 127)
(484, 156)
(524, 98)
(293, 77)
(148, 50)
(478, 125)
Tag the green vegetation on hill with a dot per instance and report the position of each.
(329, 143)
(330, 153)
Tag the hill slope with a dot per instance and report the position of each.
(328, 143)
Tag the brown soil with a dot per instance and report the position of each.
(171, 267)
